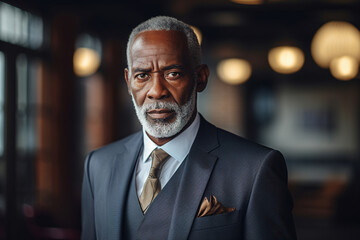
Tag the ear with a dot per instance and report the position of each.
(202, 74)
(126, 73)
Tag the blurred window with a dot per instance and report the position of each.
(2, 101)
(2, 162)
(20, 27)
(26, 103)
(22, 52)
(27, 78)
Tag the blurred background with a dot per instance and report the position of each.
(283, 73)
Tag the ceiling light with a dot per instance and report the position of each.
(197, 33)
(234, 70)
(86, 61)
(333, 40)
(286, 59)
(344, 68)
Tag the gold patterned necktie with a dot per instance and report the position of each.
(152, 184)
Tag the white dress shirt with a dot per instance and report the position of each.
(178, 148)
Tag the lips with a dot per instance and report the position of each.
(160, 113)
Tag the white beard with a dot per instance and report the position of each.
(163, 129)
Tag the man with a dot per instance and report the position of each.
(181, 177)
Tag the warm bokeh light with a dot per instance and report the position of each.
(248, 2)
(333, 40)
(344, 68)
(234, 70)
(197, 33)
(286, 59)
(86, 62)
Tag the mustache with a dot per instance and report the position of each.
(160, 105)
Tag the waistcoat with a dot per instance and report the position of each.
(155, 223)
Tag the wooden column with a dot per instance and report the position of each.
(58, 139)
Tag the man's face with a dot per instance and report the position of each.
(162, 82)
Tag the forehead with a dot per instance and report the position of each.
(162, 45)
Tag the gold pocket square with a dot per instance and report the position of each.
(212, 207)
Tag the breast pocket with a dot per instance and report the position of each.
(221, 226)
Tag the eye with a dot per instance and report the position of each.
(142, 76)
(173, 75)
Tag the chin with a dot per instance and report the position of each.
(167, 120)
(166, 127)
(163, 128)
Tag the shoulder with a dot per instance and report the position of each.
(238, 154)
(219, 139)
(110, 150)
(236, 143)
(238, 151)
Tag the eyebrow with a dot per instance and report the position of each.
(174, 66)
(146, 70)
(142, 70)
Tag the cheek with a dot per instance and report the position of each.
(137, 89)
(138, 96)
(135, 86)
(183, 96)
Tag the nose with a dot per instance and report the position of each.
(158, 88)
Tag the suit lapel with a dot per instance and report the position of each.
(123, 168)
(197, 172)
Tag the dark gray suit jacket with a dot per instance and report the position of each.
(240, 174)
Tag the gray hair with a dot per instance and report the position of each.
(169, 24)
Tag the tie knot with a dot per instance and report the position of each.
(159, 157)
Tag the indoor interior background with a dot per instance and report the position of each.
(52, 114)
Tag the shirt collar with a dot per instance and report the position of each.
(179, 147)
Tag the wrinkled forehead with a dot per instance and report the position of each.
(159, 42)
